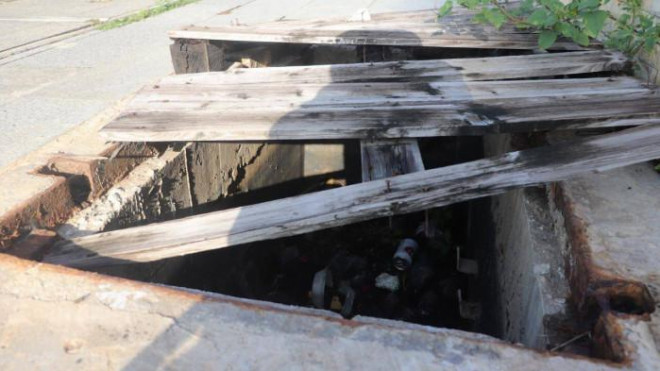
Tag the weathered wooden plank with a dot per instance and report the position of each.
(402, 29)
(385, 158)
(388, 119)
(222, 169)
(199, 97)
(346, 205)
(462, 69)
(190, 56)
(166, 97)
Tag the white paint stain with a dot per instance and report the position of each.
(118, 299)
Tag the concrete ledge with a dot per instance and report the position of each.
(44, 188)
(76, 320)
(612, 228)
(627, 339)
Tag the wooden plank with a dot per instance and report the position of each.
(190, 56)
(200, 97)
(219, 170)
(214, 99)
(397, 195)
(461, 69)
(402, 29)
(387, 119)
(386, 158)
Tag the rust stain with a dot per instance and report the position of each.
(44, 210)
(609, 339)
(594, 289)
(206, 297)
(114, 163)
(53, 206)
(35, 245)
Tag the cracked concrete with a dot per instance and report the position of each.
(218, 170)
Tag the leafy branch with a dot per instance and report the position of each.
(580, 21)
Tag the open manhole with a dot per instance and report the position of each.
(480, 266)
(451, 280)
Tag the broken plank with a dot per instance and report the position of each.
(332, 208)
(386, 158)
(388, 119)
(462, 69)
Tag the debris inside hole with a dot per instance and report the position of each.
(481, 272)
(359, 259)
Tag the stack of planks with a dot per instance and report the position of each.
(409, 99)
(387, 105)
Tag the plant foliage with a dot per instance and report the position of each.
(161, 6)
(578, 20)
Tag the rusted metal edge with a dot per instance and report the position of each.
(76, 180)
(593, 288)
(626, 339)
(103, 170)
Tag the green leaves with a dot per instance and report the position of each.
(552, 5)
(649, 43)
(445, 8)
(547, 38)
(566, 29)
(578, 20)
(581, 38)
(470, 4)
(594, 22)
(588, 4)
(495, 17)
(542, 18)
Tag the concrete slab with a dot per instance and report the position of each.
(626, 338)
(86, 321)
(613, 223)
(15, 33)
(66, 9)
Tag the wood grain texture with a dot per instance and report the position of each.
(385, 158)
(351, 204)
(362, 117)
(288, 97)
(460, 69)
(190, 56)
(419, 28)
(373, 100)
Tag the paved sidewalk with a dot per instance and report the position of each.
(25, 22)
(52, 89)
